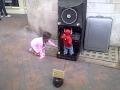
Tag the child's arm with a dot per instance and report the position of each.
(51, 44)
(63, 36)
(40, 47)
(41, 51)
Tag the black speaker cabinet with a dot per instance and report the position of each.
(71, 12)
(72, 15)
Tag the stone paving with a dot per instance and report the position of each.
(21, 70)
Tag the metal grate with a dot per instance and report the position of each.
(110, 56)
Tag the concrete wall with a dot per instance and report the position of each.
(42, 15)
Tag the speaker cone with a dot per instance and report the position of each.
(69, 16)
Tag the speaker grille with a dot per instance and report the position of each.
(69, 3)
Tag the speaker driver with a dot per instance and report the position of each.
(69, 16)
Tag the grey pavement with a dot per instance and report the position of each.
(21, 70)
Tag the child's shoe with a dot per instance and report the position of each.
(2, 16)
(37, 54)
(31, 50)
(8, 16)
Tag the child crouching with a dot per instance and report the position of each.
(38, 44)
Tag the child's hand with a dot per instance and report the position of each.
(42, 57)
(56, 46)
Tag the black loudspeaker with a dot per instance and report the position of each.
(72, 12)
(72, 15)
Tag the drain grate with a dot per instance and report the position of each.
(110, 56)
